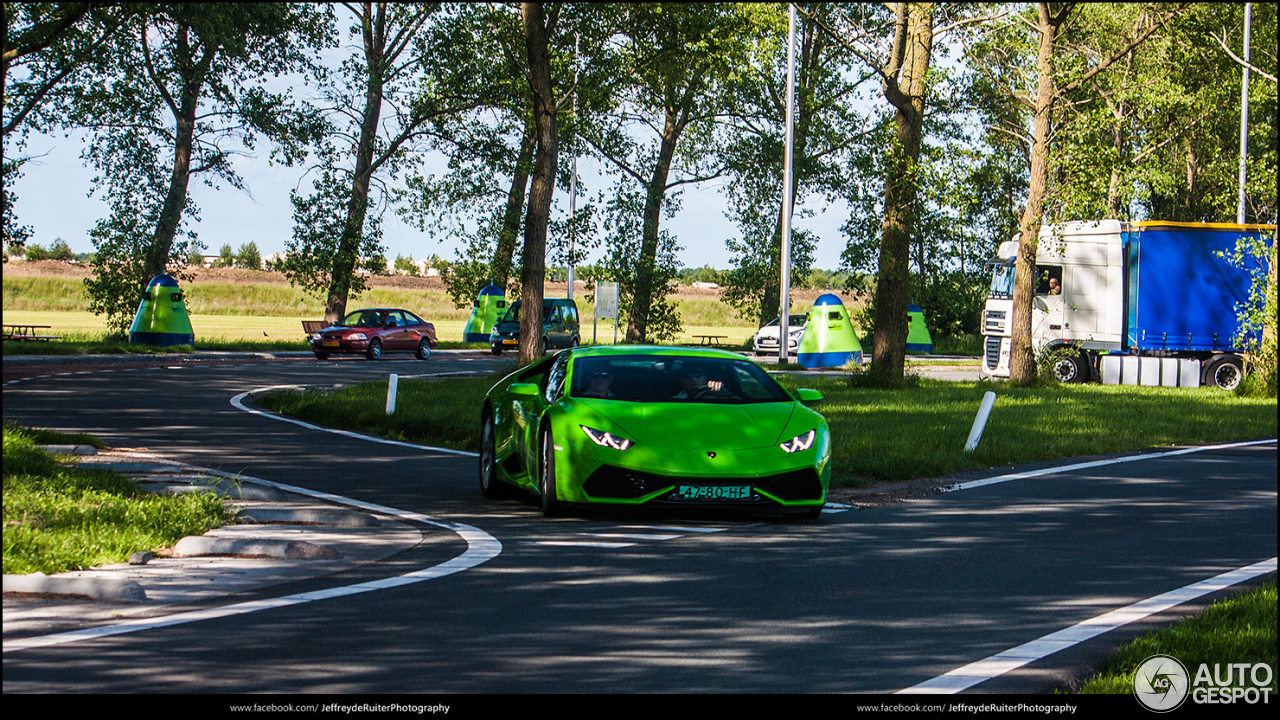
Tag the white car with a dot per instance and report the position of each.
(766, 339)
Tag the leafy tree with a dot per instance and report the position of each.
(36, 252)
(226, 257)
(478, 46)
(47, 46)
(60, 250)
(827, 134)
(406, 265)
(178, 98)
(248, 256)
(1058, 74)
(674, 61)
(382, 110)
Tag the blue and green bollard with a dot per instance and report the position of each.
(489, 306)
(162, 316)
(829, 340)
(918, 338)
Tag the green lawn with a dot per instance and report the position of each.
(1240, 629)
(876, 434)
(59, 518)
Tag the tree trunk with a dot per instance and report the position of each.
(642, 297)
(1022, 361)
(344, 261)
(889, 345)
(543, 184)
(500, 267)
(157, 257)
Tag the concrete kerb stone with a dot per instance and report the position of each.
(117, 590)
(194, 546)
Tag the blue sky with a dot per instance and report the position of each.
(53, 200)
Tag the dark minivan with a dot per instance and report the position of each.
(559, 326)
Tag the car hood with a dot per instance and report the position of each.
(689, 426)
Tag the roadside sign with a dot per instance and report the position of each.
(606, 307)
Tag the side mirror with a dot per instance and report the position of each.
(808, 396)
(526, 389)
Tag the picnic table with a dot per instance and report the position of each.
(711, 340)
(29, 333)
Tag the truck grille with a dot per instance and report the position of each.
(993, 353)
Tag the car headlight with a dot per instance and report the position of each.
(800, 442)
(357, 336)
(606, 439)
(317, 336)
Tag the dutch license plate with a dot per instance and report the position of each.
(331, 343)
(511, 341)
(713, 492)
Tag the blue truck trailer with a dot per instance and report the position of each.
(1148, 303)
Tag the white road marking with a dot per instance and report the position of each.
(579, 543)
(1098, 463)
(237, 401)
(631, 536)
(481, 547)
(966, 677)
(677, 529)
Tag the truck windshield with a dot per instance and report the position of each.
(1001, 280)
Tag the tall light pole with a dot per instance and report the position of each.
(784, 330)
(1244, 114)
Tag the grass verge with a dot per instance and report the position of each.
(443, 413)
(59, 518)
(1239, 629)
(901, 434)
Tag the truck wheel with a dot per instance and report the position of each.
(1225, 372)
(1072, 368)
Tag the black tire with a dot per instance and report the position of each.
(574, 342)
(490, 486)
(546, 346)
(1071, 369)
(322, 356)
(375, 350)
(1224, 372)
(424, 349)
(495, 349)
(551, 505)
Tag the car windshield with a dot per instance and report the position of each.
(674, 378)
(364, 318)
(1001, 280)
(792, 321)
(513, 313)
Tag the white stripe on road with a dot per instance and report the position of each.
(481, 547)
(579, 543)
(966, 677)
(238, 402)
(1098, 463)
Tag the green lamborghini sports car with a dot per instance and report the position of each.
(654, 426)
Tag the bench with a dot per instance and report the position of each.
(28, 333)
(711, 340)
(311, 327)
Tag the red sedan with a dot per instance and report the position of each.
(375, 331)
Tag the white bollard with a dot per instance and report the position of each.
(391, 393)
(980, 422)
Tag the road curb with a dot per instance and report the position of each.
(118, 590)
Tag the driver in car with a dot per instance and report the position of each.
(694, 383)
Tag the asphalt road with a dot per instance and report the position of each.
(873, 600)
